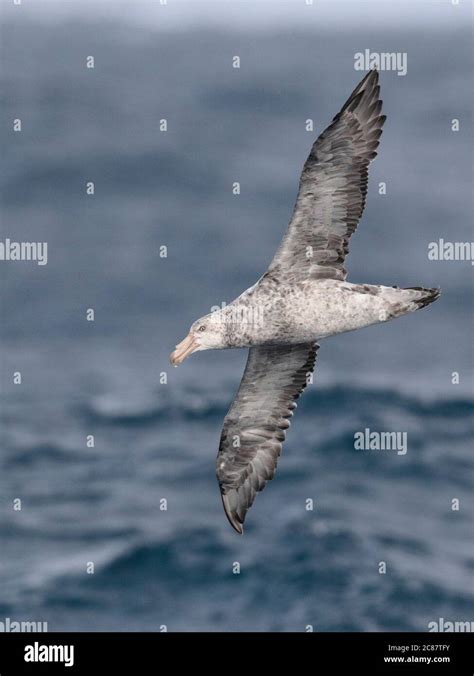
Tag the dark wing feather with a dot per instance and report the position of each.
(332, 191)
(254, 428)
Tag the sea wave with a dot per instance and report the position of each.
(124, 409)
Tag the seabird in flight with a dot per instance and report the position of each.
(302, 298)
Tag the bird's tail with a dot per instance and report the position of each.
(423, 297)
(402, 301)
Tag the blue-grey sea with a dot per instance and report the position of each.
(156, 429)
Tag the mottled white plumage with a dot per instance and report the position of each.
(302, 298)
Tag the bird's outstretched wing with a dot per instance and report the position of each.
(254, 428)
(332, 190)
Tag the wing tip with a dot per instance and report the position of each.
(365, 105)
(368, 84)
(232, 516)
(372, 75)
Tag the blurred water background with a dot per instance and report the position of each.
(154, 440)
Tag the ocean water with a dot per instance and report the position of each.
(155, 440)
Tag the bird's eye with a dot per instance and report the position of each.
(202, 328)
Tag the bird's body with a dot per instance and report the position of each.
(302, 298)
(274, 313)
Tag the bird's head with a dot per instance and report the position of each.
(207, 333)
